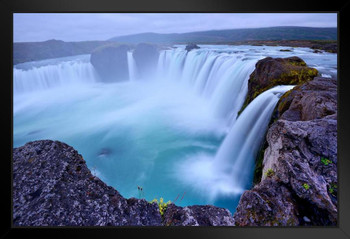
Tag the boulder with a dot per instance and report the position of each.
(197, 216)
(146, 59)
(191, 46)
(52, 186)
(270, 72)
(312, 100)
(111, 62)
(286, 50)
(268, 204)
(299, 178)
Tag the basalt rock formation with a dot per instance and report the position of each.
(111, 62)
(52, 186)
(191, 46)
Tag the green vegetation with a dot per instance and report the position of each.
(291, 77)
(326, 161)
(306, 186)
(284, 103)
(270, 173)
(140, 191)
(161, 204)
(333, 189)
(258, 162)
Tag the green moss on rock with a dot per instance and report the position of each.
(270, 72)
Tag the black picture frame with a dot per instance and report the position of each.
(342, 8)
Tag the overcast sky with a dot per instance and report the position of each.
(102, 26)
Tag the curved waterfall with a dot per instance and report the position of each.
(236, 155)
(219, 77)
(184, 118)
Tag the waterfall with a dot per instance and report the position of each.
(131, 66)
(236, 155)
(219, 77)
(52, 75)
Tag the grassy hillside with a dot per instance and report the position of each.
(32, 51)
(222, 36)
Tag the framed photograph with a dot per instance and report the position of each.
(176, 119)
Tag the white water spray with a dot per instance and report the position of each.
(236, 155)
(230, 171)
(49, 76)
(131, 66)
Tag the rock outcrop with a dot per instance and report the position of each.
(191, 46)
(52, 186)
(299, 180)
(111, 62)
(313, 100)
(197, 216)
(146, 59)
(270, 72)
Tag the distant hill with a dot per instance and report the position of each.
(33, 51)
(222, 36)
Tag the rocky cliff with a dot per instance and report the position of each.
(52, 186)
(111, 62)
(299, 180)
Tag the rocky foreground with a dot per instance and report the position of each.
(52, 186)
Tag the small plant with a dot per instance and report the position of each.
(140, 190)
(332, 188)
(270, 173)
(306, 186)
(326, 161)
(161, 204)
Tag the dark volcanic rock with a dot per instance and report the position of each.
(146, 59)
(111, 63)
(312, 100)
(262, 206)
(286, 50)
(328, 47)
(191, 46)
(197, 216)
(299, 180)
(270, 72)
(52, 186)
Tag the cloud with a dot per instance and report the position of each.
(102, 26)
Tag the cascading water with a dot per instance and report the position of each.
(236, 155)
(219, 77)
(53, 75)
(131, 66)
(229, 172)
(177, 135)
